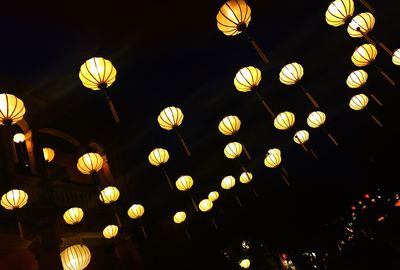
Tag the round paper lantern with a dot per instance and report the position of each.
(361, 24)
(158, 156)
(284, 120)
(48, 154)
(89, 163)
(110, 231)
(339, 11)
(272, 160)
(136, 211)
(73, 215)
(179, 217)
(213, 196)
(170, 118)
(97, 73)
(205, 205)
(19, 137)
(233, 150)
(316, 119)
(396, 57)
(291, 73)
(245, 177)
(357, 78)
(12, 109)
(301, 136)
(75, 257)
(109, 195)
(245, 263)
(247, 78)
(184, 183)
(14, 199)
(364, 54)
(358, 102)
(229, 125)
(228, 182)
(233, 17)
(274, 151)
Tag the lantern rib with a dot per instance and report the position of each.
(95, 82)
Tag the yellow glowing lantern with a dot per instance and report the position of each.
(213, 196)
(73, 215)
(158, 156)
(245, 263)
(233, 17)
(205, 205)
(316, 119)
(272, 160)
(396, 57)
(284, 120)
(97, 73)
(291, 73)
(358, 102)
(247, 79)
(169, 118)
(110, 231)
(90, 163)
(75, 257)
(361, 24)
(48, 154)
(229, 125)
(245, 177)
(109, 195)
(233, 150)
(339, 11)
(274, 151)
(136, 211)
(357, 78)
(12, 109)
(228, 182)
(184, 183)
(19, 137)
(179, 217)
(301, 136)
(14, 199)
(364, 54)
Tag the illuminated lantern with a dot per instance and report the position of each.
(229, 125)
(184, 183)
(12, 109)
(136, 211)
(316, 119)
(179, 217)
(361, 24)
(274, 151)
(284, 120)
(14, 199)
(247, 79)
(90, 163)
(228, 182)
(272, 160)
(75, 257)
(213, 196)
(169, 118)
(364, 54)
(205, 205)
(48, 154)
(291, 73)
(358, 102)
(245, 177)
(396, 57)
(97, 73)
(357, 78)
(233, 17)
(109, 195)
(73, 215)
(339, 11)
(301, 136)
(110, 231)
(233, 150)
(158, 156)
(19, 137)
(245, 263)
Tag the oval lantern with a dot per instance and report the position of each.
(316, 119)
(89, 163)
(396, 57)
(228, 182)
(19, 137)
(97, 72)
(184, 183)
(136, 211)
(109, 194)
(245, 263)
(291, 73)
(179, 217)
(233, 17)
(205, 205)
(272, 160)
(233, 150)
(245, 177)
(247, 78)
(110, 231)
(158, 156)
(73, 215)
(229, 125)
(338, 12)
(170, 118)
(361, 24)
(357, 78)
(274, 151)
(48, 154)
(213, 196)
(14, 199)
(364, 54)
(12, 109)
(301, 136)
(284, 120)
(358, 102)
(75, 257)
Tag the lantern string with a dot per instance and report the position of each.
(182, 142)
(367, 6)
(194, 204)
(330, 136)
(374, 97)
(314, 154)
(309, 96)
(237, 198)
(260, 53)
(214, 223)
(255, 192)
(284, 175)
(167, 177)
(271, 113)
(187, 234)
(375, 119)
(304, 147)
(117, 218)
(385, 75)
(374, 40)
(112, 108)
(20, 230)
(143, 231)
(243, 146)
